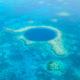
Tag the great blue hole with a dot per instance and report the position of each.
(40, 34)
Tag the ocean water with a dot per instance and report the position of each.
(40, 34)
(24, 60)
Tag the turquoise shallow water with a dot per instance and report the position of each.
(38, 61)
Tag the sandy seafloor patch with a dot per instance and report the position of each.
(20, 61)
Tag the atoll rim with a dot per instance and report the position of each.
(38, 33)
(48, 34)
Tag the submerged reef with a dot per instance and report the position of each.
(34, 60)
(55, 42)
(54, 66)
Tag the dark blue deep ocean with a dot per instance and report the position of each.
(38, 61)
(40, 34)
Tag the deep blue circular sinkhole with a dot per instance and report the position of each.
(40, 34)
